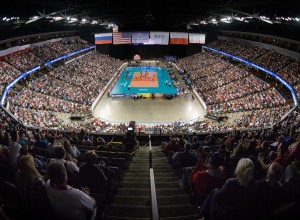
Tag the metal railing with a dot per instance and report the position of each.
(154, 206)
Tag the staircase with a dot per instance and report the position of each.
(173, 203)
(133, 201)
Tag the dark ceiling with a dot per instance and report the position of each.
(139, 15)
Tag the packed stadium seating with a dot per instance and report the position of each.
(225, 87)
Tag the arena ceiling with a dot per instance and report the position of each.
(19, 15)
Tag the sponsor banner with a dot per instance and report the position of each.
(140, 37)
(179, 38)
(117, 95)
(104, 38)
(196, 38)
(160, 38)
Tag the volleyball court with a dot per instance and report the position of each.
(144, 79)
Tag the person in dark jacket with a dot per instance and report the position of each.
(236, 199)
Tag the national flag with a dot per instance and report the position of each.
(121, 37)
(195, 38)
(179, 38)
(104, 38)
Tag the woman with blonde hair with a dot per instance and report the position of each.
(30, 184)
(236, 198)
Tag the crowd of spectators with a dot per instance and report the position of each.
(44, 52)
(269, 59)
(68, 89)
(291, 75)
(71, 88)
(23, 60)
(34, 100)
(34, 118)
(273, 61)
(209, 169)
(207, 71)
(66, 47)
(265, 99)
(92, 72)
(265, 117)
(47, 167)
(234, 90)
(226, 88)
(240, 49)
(62, 90)
(243, 174)
(7, 73)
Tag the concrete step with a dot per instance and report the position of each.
(127, 211)
(123, 218)
(177, 210)
(133, 192)
(169, 191)
(186, 217)
(135, 185)
(138, 167)
(145, 175)
(146, 185)
(163, 185)
(172, 200)
(165, 179)
(132, 200)
(157, 179)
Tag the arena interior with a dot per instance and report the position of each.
(140, 110)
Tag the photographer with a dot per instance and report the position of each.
(130, 142)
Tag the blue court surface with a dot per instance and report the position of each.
(145, 81)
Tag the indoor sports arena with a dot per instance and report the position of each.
(149, 110)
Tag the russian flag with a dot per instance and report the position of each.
(104, 38)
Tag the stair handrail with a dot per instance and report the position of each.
(154, 206)
(150, 152)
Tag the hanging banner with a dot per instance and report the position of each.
(195, 38)
(179, 38)
(159, 38)
(104, 38)
(140, 38)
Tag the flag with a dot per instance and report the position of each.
(196, 38)
(179, 38)
(159, 38)
(140, 37)
(121, 37)
(104, 38)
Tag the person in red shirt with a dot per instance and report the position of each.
(205, 181)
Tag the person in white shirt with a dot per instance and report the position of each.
(68, 203)
(70, 165)
(60, 156)
(14, 149)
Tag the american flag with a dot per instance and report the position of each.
(121, 37)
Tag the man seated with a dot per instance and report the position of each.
(205, 181)
(270, 190)
(71, 167)
(91, 175)
(67, 202)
